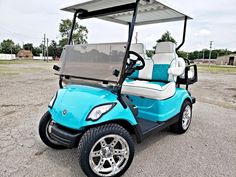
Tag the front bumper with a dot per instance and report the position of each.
(65, 136)
(193, 100)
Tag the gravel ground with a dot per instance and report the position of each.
(207, 149)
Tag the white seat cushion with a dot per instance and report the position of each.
(152, 90)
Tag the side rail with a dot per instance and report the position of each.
(190, 75)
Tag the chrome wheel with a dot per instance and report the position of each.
(186, 119)
(109, 155)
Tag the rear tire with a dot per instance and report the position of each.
(184, 119)
(44, 126)
(107, 150)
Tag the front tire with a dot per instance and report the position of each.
(44, 132)
(107, 150)
(184, 120)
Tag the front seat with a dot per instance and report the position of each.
(160, 83)
(146, 72)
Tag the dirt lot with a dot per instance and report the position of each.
(207, 149)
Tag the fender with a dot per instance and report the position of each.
(75, 102)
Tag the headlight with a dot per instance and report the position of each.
(99, 111)
(50, 105)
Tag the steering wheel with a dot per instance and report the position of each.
(131, 63)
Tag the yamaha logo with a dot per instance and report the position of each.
(64, 112)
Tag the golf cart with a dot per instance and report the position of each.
(111, 91)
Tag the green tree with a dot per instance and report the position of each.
(199, 54)
(79, 34)
(182, 54)
(194, 55)
(28, 46)
(8, 47)
(37, 51)
(59, 51)
(150, 53)
(54, 50)
(16, 48)
(214, 54)
(63, 42)
(167, 37)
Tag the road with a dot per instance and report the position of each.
(207, 149)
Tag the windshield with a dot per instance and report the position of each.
(93, 61)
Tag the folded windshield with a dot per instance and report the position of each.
(93, 61)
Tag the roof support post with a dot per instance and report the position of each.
(129, 24)
(184, 33)
(72, 28)
(130, 36)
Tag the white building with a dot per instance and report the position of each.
(7, 56)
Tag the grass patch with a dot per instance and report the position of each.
(6, 72)
(23, 61)
(14, 67)
(217, 68)
(11, 71)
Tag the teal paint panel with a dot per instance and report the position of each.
(160, 110)
(78, 101)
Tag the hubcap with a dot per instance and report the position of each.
(109, 155)
(186, 119)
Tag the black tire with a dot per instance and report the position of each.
(178, 127)
(89, 139)
(43, 132)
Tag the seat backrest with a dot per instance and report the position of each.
(146, 72)
(165, 57)
(138, 48)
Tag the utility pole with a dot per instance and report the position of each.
(47, 50)
(11, 51)
(211, 43)
(136, 38)
(44, 41)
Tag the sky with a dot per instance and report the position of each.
(214, 20)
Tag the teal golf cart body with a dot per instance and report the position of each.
(109, 91)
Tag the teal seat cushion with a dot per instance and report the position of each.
(160, 72)
(134, 75)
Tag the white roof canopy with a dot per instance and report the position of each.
(149, 11)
